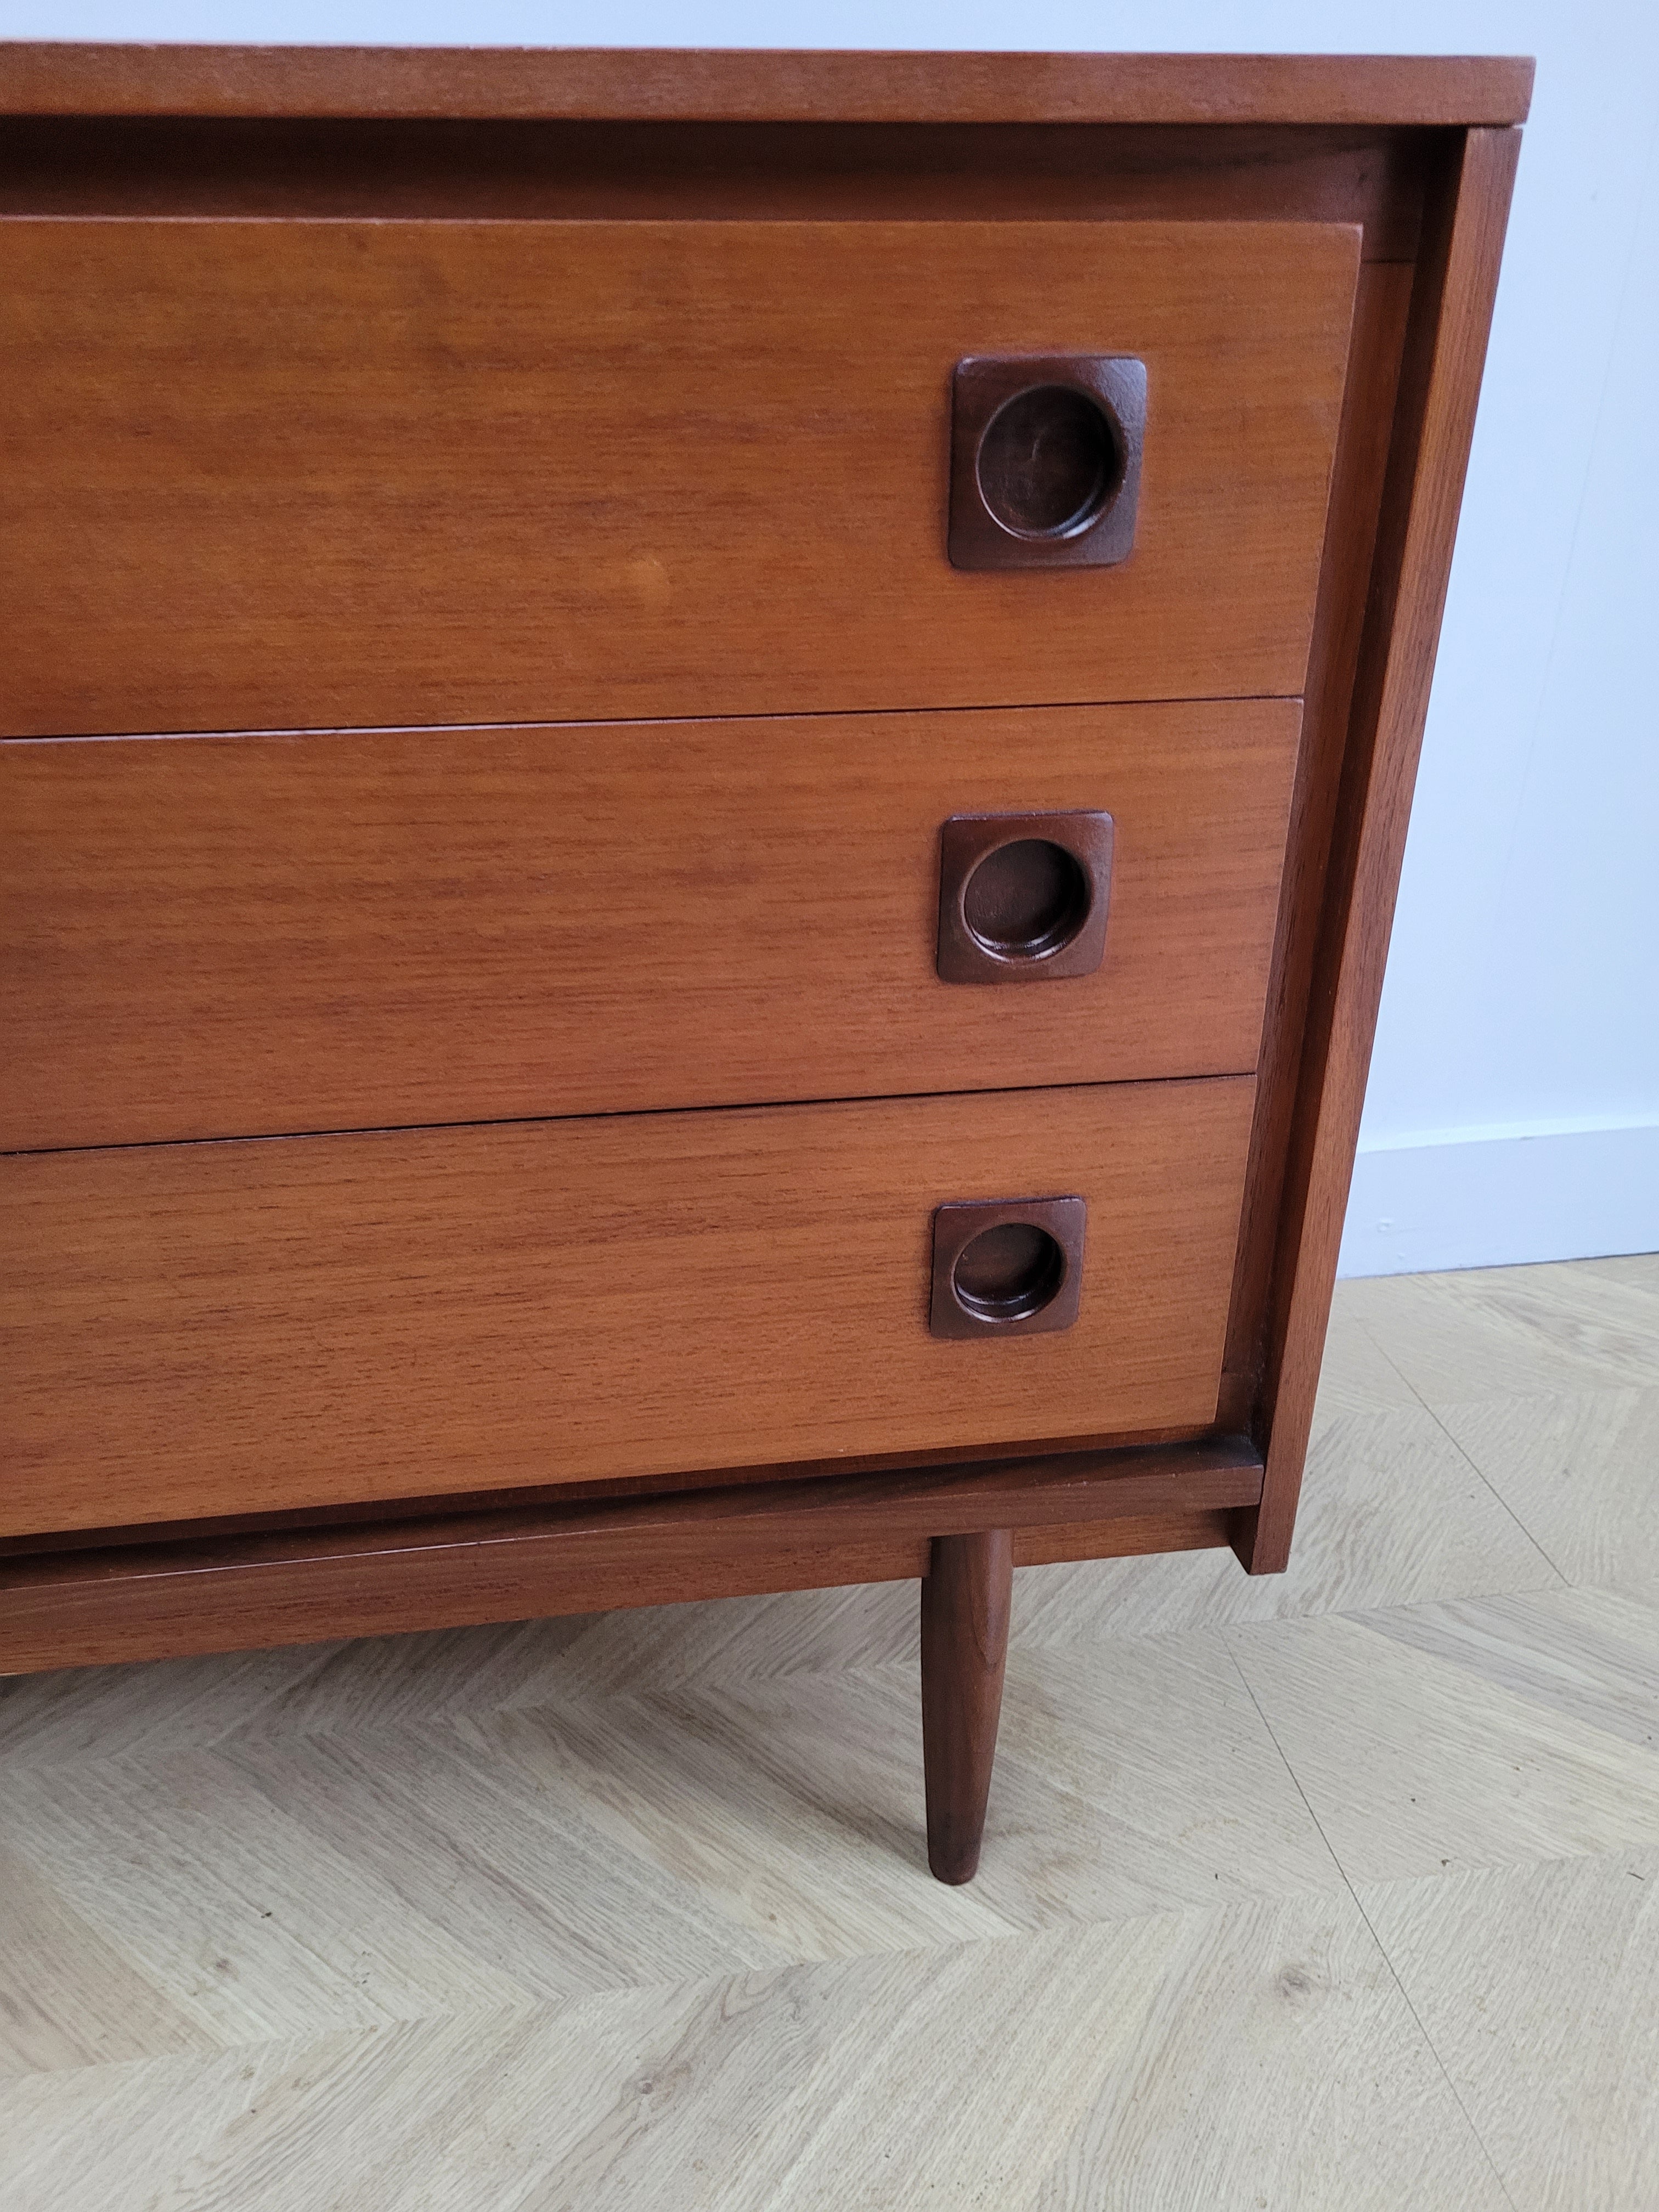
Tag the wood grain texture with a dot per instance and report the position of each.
(148, 1601)
(684, 1849)
(444, 2103)
(1485, 1732)
(1579, 1470)
(43, 77)
(1440, 384)
(1517, 1333)
(403, 473)
(1380, 311)
(1207, 1529)
(1395, 1512)
(1198, 2116)
(358, 456)
(1537, 1985)
(241, 1327)
(1402, 1520)
(228, 937)
(267, 166)
(95, 1608)
(356, 1513)
(965, 1606)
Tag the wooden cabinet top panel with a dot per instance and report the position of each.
(687, 85)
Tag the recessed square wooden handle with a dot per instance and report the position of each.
(1006, 1267)
(1023, 898)
(1045, 460)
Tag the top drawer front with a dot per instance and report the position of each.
(292, 475)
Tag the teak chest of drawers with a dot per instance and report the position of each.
(704, 763)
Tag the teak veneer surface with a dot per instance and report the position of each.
(357, 393)
(236, 936)
(967, 1603)
(1440, 384)
(722, 86)
(161, 1599)
(312, 474)
(449, 170)
(1382, 311)
(258, 1326)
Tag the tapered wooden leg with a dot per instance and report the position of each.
(964, 1645)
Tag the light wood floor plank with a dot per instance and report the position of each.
(1057, 2069)
(1356, 1374)
(99, 1712)
(216, 1895)
(798, 1632)
(633, 1911)
(1580, 1473)
(517, 1879)
(1280, 2066)
(1130, 1779)
(1179, 1795)
(1536, 1986)
(69, 1997)
(390, 1682)
(1638, 1271)
(1482, 1734)
(1491, 1332)
(814, 1843)
(1392, 1514)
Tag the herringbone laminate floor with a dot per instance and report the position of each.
(1340, 1890)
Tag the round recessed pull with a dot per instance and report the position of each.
(1009, 1273)
(1023, 898)
(1026, 900)
(1045, 460)
(1049, 462)
(1006, 1267)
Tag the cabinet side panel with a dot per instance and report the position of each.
(1362, 459)
(1440, 384)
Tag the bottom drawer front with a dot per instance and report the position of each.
(248, 1326)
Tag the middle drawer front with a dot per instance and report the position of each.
(239, 936)
(204, 1329)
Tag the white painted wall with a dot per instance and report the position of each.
(1513, 1105)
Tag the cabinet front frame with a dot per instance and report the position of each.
(1430, 186)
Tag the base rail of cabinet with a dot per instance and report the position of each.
(93, 1606)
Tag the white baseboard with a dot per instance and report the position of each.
(1498, 1200)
